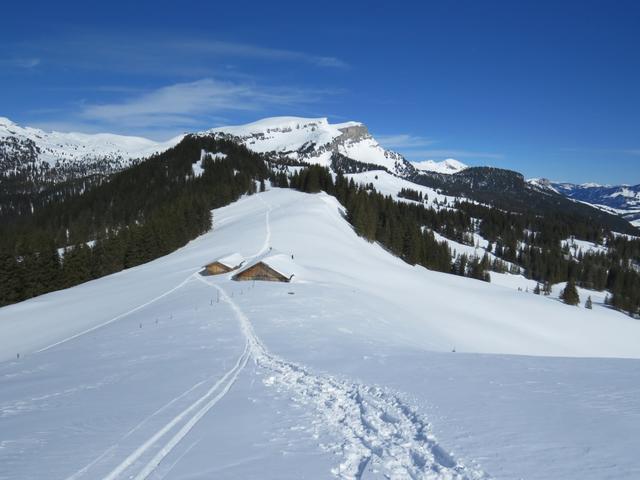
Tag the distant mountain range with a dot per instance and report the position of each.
(35, 154)
(623, 200)
(34, 161)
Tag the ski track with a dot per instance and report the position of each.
(210, 398)
(267, 240)
(118, 317)
(170, 445)
(109, 452)
(380, 432)
(181, 425)
(128, 464)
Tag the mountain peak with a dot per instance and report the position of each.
(283, 124)
(313, 140)
(448, 166)
(5, 122)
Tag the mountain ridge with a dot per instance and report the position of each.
(622, 200)
(32, 161)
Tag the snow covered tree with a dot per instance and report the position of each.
(537, 289)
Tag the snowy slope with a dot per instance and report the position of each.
(388, 184)
(57, 156)
(447, 166)
(313, 140)
(57, 146)
(156, 372)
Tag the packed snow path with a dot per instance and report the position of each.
(178, 427)
(372, 431)
(381, 434)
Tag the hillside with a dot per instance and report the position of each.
(38, 166)
(622, 200)
(183, 359)
(158, 204)
(61, 156)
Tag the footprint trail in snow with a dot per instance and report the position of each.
(381, 435)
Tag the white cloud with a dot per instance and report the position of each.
(153, 54)
(231, 49)
(413, 147)
(453, 153)
(184, 105)
(403, 140)
(26, 62)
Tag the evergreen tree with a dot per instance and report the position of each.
(588, 304)
(570, 294)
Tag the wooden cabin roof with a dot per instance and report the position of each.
(230, 261)
(281, 265)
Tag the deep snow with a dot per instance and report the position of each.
(156, 372)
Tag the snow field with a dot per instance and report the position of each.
(379, 433)
(358, 356)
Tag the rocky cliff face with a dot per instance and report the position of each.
(314, 140)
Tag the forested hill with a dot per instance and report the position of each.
(508, 190)
(142, 213)
(159, 204)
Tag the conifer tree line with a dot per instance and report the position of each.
(159, 205)
(406, 230)
(411, 194)
(532, 244)
(144, 212)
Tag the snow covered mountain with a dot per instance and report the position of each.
(345, 372)
(60, 156)
(314, 140)
(623, 200)
(447, 166)
(33, 161)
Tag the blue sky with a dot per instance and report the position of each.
(546, 88)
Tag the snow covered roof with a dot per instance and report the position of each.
(231, 261)
(281, 263)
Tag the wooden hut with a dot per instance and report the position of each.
(275, 268)
(223, 265)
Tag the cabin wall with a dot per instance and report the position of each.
(217, 268)
(260, 272)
